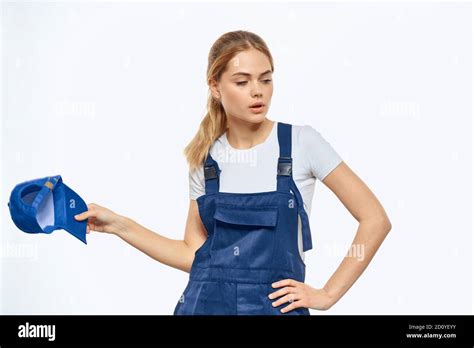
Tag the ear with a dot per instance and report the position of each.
(214, 87)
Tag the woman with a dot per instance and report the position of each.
(247, 227)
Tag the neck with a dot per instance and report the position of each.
(244, 135)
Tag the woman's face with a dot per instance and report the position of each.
(246, 80)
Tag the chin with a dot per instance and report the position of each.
(253, 118)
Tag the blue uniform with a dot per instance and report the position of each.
(252, 242)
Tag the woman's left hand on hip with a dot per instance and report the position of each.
(299, 294)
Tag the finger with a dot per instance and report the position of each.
(291, 306)
(85, 215)
(88, 230)
(280, 292)
(288, 298)
(95, 225)
(284, 282)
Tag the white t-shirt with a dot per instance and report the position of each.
(254, 169)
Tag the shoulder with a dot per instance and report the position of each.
(306, 135)
(196, 175)
(320, 155)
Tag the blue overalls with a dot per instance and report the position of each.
(252, 242)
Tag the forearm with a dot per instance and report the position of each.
(171, 252)
(370, 235)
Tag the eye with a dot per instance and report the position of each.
(241, 83)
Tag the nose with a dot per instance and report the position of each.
(256, 90)
(257, 94)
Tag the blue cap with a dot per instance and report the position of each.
(47, 204)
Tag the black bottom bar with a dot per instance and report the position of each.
(18, 330)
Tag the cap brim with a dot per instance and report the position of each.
(74, 205)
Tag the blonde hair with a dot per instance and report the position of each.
(214, 123)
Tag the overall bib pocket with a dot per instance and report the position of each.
(244, 236)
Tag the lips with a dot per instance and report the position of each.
(257, 105)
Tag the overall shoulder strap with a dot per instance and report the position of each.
(285, 182)
(211, 174)
(285, 162)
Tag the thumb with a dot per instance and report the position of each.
(84, 215)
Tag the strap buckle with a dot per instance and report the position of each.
(210, 172)
(285, 166)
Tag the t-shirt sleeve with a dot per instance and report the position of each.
(196, 183)
(321, 156)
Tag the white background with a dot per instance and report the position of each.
(109, 94)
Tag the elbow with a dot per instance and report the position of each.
(385, 224)
(382, 222)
